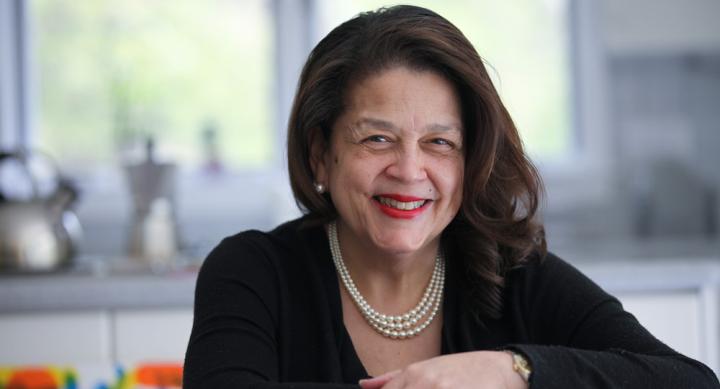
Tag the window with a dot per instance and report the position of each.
(196, 77)
(192, 75)
(214, 80)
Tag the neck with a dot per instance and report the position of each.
(391, 282)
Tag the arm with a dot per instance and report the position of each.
(575, 336)
(234, 341)
(584, 338)
(475, 369)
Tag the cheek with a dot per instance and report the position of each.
(451, 183)
(450, 189)
(359, 168)
(347, 178)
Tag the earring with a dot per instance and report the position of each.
(320, 188)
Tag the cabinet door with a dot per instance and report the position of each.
(54, 338)
(152, 335)
(673, 317)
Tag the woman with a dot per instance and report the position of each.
(419, 261)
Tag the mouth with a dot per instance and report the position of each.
(401, 206)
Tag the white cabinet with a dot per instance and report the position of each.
(95, 337)
(686, 320)
(673, 317)
(67, 337)
(678, 301)
(151, 335)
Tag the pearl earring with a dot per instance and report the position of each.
(320, 188)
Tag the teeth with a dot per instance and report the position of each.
(405, 206)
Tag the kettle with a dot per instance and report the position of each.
(39, 232)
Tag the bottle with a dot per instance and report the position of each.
(159, 233)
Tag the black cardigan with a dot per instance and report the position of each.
(268, 315)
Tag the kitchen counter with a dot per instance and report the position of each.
(126, 285)
(654, 275)
(95, 285)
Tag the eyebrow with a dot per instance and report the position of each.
(376, 123)
(442, 127)
(386, 125)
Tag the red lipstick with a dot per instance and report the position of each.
(399, 197)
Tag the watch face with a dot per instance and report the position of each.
(521, 366)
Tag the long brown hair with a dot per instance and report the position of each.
(496, 228)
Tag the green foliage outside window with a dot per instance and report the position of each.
(111, 73)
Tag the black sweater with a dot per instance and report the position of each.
(268, 315)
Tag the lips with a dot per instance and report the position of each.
(401, 206)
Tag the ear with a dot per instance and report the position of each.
(319, 150)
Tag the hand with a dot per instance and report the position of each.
(478, 369)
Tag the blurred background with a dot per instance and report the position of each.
(136, 134)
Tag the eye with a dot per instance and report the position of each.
(442, 142)
(377, 139)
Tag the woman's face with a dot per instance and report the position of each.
(394, 166)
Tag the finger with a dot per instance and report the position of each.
(379, 381)
(396, 382)
(371, 383)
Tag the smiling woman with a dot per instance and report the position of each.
(419, 262)
(388, 153)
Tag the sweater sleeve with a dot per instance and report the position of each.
(583, 338)
(234, 339)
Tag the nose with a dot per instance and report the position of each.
(408, 165)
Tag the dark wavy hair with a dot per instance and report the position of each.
(496, 228)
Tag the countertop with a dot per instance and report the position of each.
(128, 285)
(93, 284)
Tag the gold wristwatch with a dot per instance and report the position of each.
(521, 365)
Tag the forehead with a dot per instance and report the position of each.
(370, 123)
(401, 96)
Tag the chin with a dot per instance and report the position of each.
(399, 244)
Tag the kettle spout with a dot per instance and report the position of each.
(65, 195)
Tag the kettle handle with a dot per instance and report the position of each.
(20, 156)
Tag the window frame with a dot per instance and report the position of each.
(584, 177)
(14, 80)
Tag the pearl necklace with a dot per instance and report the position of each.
(403, 326)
